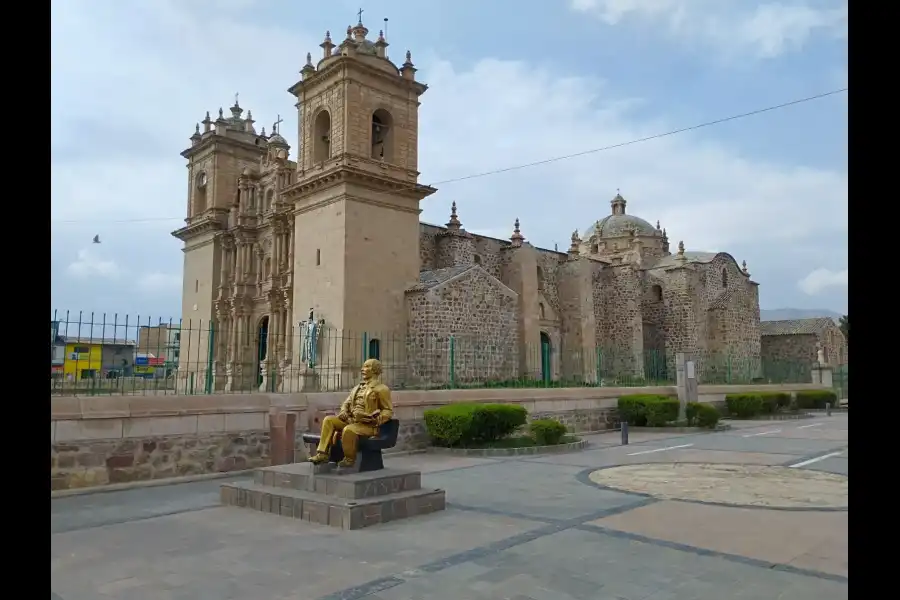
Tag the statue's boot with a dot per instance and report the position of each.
(319, 458)
(347, 462)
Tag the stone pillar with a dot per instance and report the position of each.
(282, 433)
(686, 382)
(823, 375)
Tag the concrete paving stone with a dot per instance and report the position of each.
(430, 463)
(616, 456)
(778, 537)
(535, 490)
(234, 553)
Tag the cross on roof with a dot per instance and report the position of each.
(359, 15)
(277, 124)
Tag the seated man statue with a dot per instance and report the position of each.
(367, 407)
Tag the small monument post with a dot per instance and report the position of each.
(686, 382)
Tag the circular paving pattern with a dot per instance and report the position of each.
(737, 485)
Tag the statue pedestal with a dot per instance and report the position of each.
(308, 380)
(284, 377)
(229, 377)
(346, 501)
(264, 372)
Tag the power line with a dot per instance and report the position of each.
(550, 160)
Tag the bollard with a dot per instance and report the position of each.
(624, 433)
(828, 409)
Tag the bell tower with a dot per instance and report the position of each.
(356, 195)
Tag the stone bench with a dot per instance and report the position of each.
(369, 449)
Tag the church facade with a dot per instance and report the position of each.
(268, 239)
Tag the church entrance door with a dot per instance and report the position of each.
(263, 341)
(545, 357)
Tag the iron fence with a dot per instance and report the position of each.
(103, 354)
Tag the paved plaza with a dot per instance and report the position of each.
(757, 512)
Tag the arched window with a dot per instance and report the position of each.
(540, 279)
(656, 293)
(270, 199)
(724, 278)
(382, 137)
(322, 139)
(477, 259)
(375, 348)
(201, 184)
(595, 248)
(541, 310)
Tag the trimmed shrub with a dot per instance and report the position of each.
(647, 410)
(547, 432)
(772, 402)
(465, 424)
(662, 412)
(744, 405)
(700, 414)
(808, 399)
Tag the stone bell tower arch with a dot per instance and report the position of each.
(356, 195)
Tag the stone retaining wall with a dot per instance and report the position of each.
(97, 440)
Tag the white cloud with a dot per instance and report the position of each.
(764, 29)
(821, 280)
(706, 192)
(159, 283)
(90, 263)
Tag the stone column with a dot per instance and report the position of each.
(686, 382)
(282, 435)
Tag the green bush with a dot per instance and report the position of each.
(816, 399)
(772, 402)
(465, 424)
(547, 432)
(662, 412)
(647, 410)
(700, 414)
(744, 405)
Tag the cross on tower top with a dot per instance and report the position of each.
(236, 94)
(276, 126)
(359, 16)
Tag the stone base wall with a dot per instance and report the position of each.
(99, 462)
(97, 441)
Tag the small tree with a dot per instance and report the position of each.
(845, 328)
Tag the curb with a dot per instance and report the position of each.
(526, 451)
(775, 417)
(718, 427)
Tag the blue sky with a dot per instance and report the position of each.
(510, 83)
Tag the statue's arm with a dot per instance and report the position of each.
(385, 405)
(344, 412)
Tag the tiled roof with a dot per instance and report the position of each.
(795, 326)
(430, 279)
(673, 260)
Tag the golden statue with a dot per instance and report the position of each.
(366, 408)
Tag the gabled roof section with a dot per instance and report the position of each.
(795, 326)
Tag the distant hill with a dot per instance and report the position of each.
(784, 314)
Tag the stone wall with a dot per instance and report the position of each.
(618, 293)
(796, 348)
(97, 441)
(480, 313)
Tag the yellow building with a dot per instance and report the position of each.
(83, 360)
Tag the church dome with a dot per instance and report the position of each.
(276, 140)
(619, 224)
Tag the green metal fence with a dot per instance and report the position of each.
(102, 354)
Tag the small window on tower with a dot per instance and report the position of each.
(724, 278)
(322, 139)
(318, 257)
(196, 285)
(382, 135)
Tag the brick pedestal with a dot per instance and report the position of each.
(348, 501)
(282, 432)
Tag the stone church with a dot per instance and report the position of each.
(268, 239)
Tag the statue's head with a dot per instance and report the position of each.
(371, 368)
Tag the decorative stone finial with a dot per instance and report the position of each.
(327, 46)
(206, 119)
(408, 59)
(380, 35)
(197, 129)
(657, 225)
(681, 250)
(263, 133)
(744, 268)
(576, 241)
(309, 59)
(349, 32)
(454, 223)
(327, 36)
(220, 113)
(516, 238)
(665, 235)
